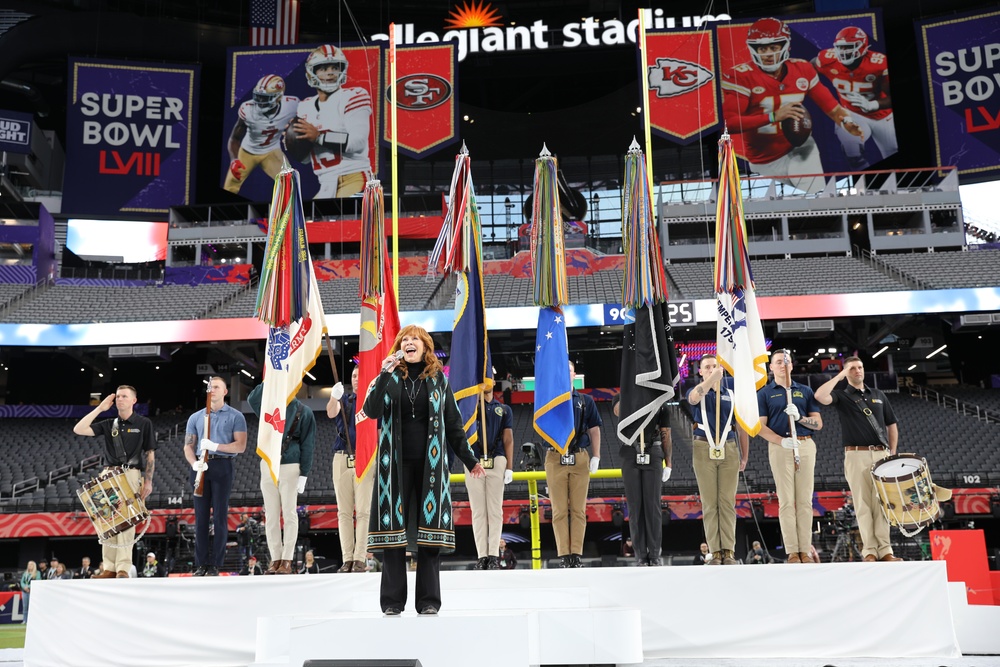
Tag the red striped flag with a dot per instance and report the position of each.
(274, 22)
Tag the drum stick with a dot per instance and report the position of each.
(199, 478)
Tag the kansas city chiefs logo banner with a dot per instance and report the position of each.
(426, 112)
(683, 99)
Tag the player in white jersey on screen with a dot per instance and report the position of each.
(256, 138)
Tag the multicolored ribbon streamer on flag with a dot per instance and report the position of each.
(288, 300)
(460, 246)
(379, 316)
(649, 363)
(740, 337)
(553, 389)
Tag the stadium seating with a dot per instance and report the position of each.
(75, 304)
(949, 269)
(783, 277)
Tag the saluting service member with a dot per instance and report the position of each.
(128, 443)
(868, 425)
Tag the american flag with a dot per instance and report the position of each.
(274, 22)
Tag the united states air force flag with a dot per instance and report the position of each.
(553, 390)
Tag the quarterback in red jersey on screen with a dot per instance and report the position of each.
(861, 79)
(762, 100)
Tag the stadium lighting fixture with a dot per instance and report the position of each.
(911, 367)
(821, 350)
(811, 359)
(831, 350)
(310, 376)
(884, 348)
(940, 349)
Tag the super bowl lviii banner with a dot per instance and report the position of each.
(683, 96)
(316, 106)
(961, 61)
(806, 96)
(130, 137)
(425, 90)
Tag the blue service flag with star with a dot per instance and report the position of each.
(553, 390)
(471, 364)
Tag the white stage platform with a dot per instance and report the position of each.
(583, 616)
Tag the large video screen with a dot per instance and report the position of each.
(125, 241)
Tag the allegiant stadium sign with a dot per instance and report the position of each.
(590, 32)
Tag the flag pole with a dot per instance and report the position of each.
(394, 159)
(647, 132)
(791, 422)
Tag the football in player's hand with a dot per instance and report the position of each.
(297, 148)
(797, 130)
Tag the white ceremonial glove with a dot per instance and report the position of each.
(666, 473)
(208, 445)
(508, 476)
(338, 391)
(302, 484)
(199, 465)
(789, 443)
(861, 102)
(595, 461)
(793, 412)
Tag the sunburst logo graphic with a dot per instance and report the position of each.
(473, 15)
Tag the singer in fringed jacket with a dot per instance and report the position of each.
(411, 503)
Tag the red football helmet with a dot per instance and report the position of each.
(850, 45)
(268, 92)
(765, 32)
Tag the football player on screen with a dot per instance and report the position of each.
(256, 138)
(762, 101)
(861, 78)
(333, 126)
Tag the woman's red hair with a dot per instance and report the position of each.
(433, 364)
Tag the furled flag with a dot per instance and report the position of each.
(288, 300)
(459, 246)
(379, 317)
(274, 22)
(553, 389)
(649, 364)
(740, 337)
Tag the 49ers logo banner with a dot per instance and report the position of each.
(426, 113)
(683, 99)
(130, 137)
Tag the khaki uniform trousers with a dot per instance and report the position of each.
(354, 505)
(280, 503)
(717, 486)
(116, 555)
(795, 493)
(872, 524)
(486, 501)
(568, 486)
(269, 162)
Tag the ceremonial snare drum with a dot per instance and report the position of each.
(111, 503)
(909, 498)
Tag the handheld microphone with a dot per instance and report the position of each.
(388, 364)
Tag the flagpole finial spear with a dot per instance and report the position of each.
(545, 151)
(725, 133)
(464, 150)
(634, 147)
